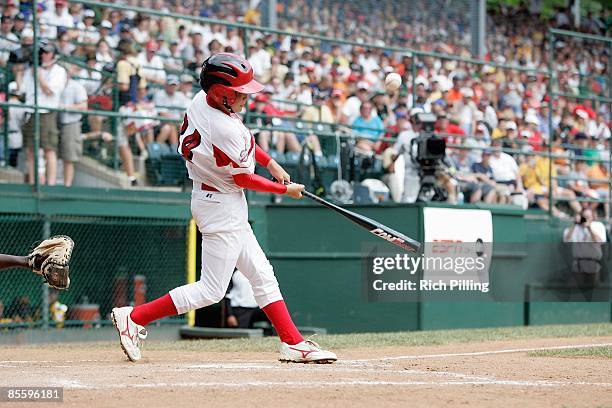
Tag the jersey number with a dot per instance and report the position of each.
(190, 142)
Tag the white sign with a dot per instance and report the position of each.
(458, 244)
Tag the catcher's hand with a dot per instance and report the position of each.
(51, 260)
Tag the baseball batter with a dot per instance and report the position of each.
(220, 155)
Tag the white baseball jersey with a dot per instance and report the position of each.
(215, 145)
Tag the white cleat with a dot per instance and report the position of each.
(305, 352)
(131, 335)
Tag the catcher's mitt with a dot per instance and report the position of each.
(50, 259)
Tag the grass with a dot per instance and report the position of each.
(372, 340)
(597, 352)
(422, 338)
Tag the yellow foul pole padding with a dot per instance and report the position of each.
(191, 263)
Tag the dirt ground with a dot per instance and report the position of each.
(491, 374)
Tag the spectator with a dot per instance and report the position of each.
(140, 33)
(195, 66)
(335, 105)
(129, 73)
(382, 106)
(462, 172)
(277, 69)
(65, 46)
(51, 82)
(107, 35)
(88, 33)
(484, 173)
(57, 310)
(90, 77)
(406, 186)
(129, 79)
(19, 24)
(534, 136)
(16, 118)
(586, 237)
(152, 66)
(281, 140)
(8, 40)
(104, 56)
(20, 311)
(599, 182)
(368, 127)
(602, 130)
(537, 174)
(477, 142)
(143, 129)
(352, 106)
(453, 134)
(579, 184)
(170, 104)
(186, 86)
(74, 97)
(56, 20)
(505, 173)
(172, 57)
(196, 44)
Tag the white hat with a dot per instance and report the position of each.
(415, 111)
(510, 125)
(106, 24)
(582, 113)
(530, 118)
(27, 32)
(421, 81)
(363, 85)
(467, 92)
(444, 82)
(14, 89)
(89, 13)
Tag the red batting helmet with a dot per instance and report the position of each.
(224, 74)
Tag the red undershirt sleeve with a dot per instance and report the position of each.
(259, 183)
(261, 156)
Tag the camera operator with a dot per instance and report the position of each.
(408, 130)
(586, 238)
(582, 229)
(415, 172)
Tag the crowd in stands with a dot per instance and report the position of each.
(155, 63)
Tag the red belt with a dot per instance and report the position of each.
(206, 187)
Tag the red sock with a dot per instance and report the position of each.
(154, 310)
(279, 316)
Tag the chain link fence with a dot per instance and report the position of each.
(116, 262)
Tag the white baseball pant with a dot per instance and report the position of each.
(228, 242)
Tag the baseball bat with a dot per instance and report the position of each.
(374, 227)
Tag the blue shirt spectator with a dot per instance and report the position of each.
(368, 125)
